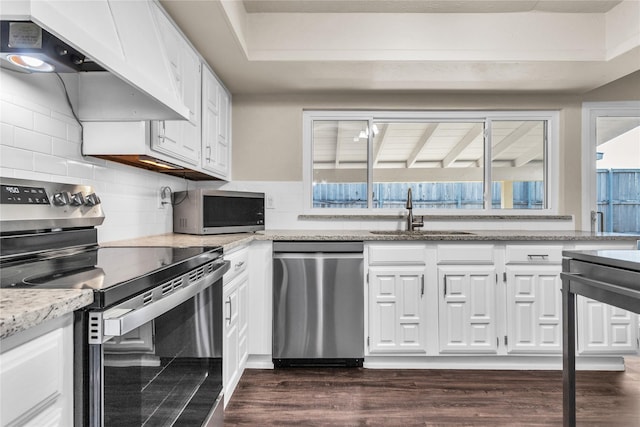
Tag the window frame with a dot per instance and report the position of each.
(551, 153)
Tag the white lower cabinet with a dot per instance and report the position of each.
(467, 308)
(396, 310)
(534, 309)
(36, 376)
(235, 314)
(604, 329)
(396, 298)
(437, 302)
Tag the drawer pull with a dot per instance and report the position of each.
(239, 264)
(533, 257)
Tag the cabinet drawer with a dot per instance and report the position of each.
(238, 260)
(397, 254)
(465, 254)
(533, 253)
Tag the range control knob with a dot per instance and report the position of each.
(77, 199)
(61, 199)
(92, 200)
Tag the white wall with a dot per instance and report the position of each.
(40, 140)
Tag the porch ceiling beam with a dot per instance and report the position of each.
(514, 136)
(466, 140)
(527, 156)
(382, 139)
(422, 142)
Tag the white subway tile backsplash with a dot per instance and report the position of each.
(28, 104)
(31, 140)
(41, 143)
(49, 126)
(49, 164)
(16, 158)
(39, 176)
(67, 118)
(16, 115)
(6, 134)
(79, 170)
(63, 148)
(74, 133)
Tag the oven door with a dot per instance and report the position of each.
(163, 371)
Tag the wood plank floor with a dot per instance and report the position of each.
(364, 397)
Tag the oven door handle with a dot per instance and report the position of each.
(120, 325)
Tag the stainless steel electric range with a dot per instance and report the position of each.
(148, 350)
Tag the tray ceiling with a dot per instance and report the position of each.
(265, 46)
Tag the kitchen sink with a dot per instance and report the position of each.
(423, 232)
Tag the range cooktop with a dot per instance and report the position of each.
(113, 273)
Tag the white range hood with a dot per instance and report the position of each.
(123, 38)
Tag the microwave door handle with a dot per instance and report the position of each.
(120, 325)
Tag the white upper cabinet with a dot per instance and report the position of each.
(181, 139)
(215, 126)
(123, 37)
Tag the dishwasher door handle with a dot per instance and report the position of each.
(317, 255)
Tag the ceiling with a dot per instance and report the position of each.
(291, 46)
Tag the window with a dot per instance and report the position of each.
(451, 160)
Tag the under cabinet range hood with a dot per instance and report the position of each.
(119, 42)
(129, 143)
(27, 47)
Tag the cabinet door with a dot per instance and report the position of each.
(215, 144)
(36, 380)
(231, 357)
(396, 310)
(603, 329)
(243, 320)
(534, 304)
(467, 309)
(180, 138)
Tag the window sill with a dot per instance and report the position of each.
(364, 217)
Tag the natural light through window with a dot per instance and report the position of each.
(451, 161)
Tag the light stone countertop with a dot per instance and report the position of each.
(21, 309)
(231, 241)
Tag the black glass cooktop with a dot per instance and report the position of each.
(114, 273)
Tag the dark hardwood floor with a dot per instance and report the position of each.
(364, 397)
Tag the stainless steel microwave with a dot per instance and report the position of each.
(205, 211)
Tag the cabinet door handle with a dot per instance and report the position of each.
(163, 131)
(422, 287)
(208, 153)
(444, 279)
(537, 256)
(229, 302)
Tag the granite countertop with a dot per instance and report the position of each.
(21, 309)
(231, 241)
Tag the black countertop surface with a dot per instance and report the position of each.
(628, 259)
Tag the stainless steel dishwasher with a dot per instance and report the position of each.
(318, 304)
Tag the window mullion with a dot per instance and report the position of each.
(370, 163)
(488, 187)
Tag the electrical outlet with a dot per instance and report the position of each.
(269, 203)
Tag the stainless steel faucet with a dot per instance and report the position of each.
(411, 223)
